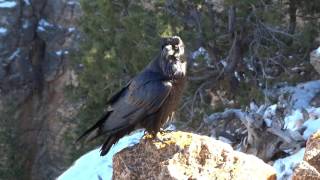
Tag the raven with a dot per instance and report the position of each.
(148, 100)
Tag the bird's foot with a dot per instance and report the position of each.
(162, 141)
(157, 137)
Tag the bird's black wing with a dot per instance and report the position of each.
(143, 97)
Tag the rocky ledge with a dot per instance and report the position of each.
(181, 155)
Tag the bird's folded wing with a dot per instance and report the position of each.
(140, 100)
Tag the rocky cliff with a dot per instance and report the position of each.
(37, 37)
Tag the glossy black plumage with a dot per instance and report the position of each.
(148, 99)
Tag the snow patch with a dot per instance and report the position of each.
(61, 52)
(284, 167)
(43, 24)
(3, 31)
(200, 52)
(312, 127)
(236, 74)
(250, 67)
(224, 63)
(7, 4)
(71, 29)
(295, 120)
(268, 114)
(302, 93)
(292, 121)
(93, 166)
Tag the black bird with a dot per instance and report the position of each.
(148, 100)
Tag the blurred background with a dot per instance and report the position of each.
(60, 60)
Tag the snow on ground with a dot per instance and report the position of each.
(313, 123)
(284, 167)
(302, 93)
(7, 4)
(268, 114)
(295, 120)
(93, 166)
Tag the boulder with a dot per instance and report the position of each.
(309, 168)
(304, 171)
(182, 155)
(312, 154)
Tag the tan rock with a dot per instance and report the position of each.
(309, 169)
(181, 155)
(304, 171)
(312, 154)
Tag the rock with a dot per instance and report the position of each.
(312, 154)
(315, 59)
(309, 168)
(304, 171)
(181, 155)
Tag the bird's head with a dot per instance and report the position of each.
(173, 62)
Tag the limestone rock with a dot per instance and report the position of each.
(304, 171)
(181, 155)
(312, 154)
(309, 168)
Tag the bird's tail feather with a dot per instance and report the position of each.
(95, 129)
(114, 137)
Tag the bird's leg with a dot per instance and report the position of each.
(153, 136)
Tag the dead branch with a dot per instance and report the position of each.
(263, 141)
